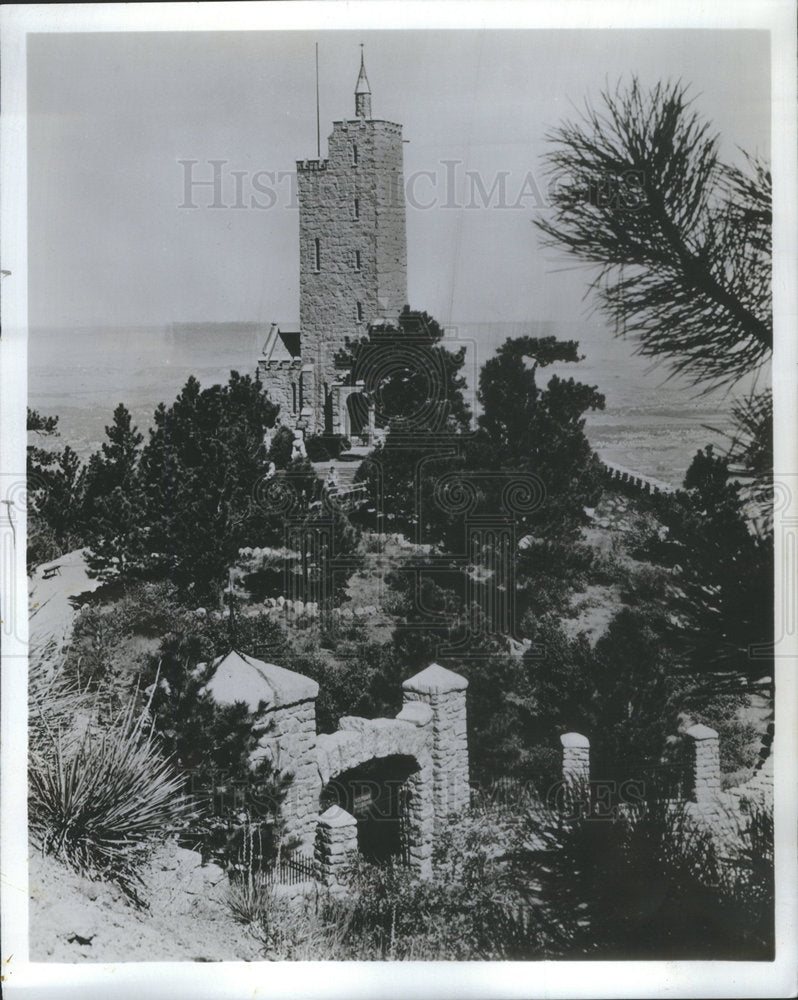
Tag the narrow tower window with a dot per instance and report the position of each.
(354, 154)
(317, 254)
(359, 312)
(356, 209)
(357, 260)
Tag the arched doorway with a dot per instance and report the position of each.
(378, 793)
(357, 415)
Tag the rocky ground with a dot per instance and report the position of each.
(73, 919)
(616, 527)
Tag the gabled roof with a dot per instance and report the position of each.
(281, 345)
(239, 677)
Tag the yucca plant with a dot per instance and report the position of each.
(249, 898)
(55, 700)
(98, 801)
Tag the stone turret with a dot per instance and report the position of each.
(444, 692)
(362, 91)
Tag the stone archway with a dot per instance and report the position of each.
(379, 794)
(427, 742)
(383, 766)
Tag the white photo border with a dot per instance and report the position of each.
(354, 980)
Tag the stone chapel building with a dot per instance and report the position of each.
(352, 271)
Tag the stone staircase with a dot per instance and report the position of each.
(345, 471)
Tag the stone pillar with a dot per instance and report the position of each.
(420, 786)
(575, 799)
(706, 763)
(444, 692)
(286, 704)
(575, 758)
(298, 445)
(291, 745)
(336, 844)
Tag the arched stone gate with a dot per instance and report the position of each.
(359, 741)
(430, 730)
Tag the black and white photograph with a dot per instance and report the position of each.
(399, 500)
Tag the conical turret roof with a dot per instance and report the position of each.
(362, 85)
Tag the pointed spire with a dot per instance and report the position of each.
(362, 90)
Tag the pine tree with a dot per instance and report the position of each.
(722, 582)
(417, 386)
(679, 242)
(116, 462)
(193, 498)
(413, 377)
(56, 485)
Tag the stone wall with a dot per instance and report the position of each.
(724, 814)
(633, 483)
(282, 382)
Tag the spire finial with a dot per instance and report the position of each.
(362, 90)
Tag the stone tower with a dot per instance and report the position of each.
(353, 248)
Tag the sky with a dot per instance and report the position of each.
(114, 243)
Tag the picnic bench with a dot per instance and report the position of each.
(51, 571)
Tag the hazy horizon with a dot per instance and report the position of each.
(651, 423)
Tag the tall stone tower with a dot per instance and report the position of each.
(353, 249)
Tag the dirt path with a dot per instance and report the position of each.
(52, 589)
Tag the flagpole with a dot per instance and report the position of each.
(318, 122)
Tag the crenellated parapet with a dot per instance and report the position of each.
(305, 166)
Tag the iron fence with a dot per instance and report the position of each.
(290, 870)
